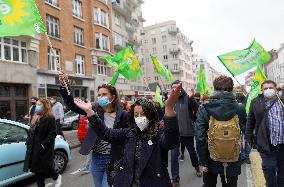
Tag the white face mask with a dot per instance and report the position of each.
(142, 123)
(269, 93)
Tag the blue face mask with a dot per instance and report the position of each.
(103, 101)
(38, 109)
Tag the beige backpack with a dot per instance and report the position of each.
(224, 140)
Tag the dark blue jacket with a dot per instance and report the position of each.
(222, 106)
(121, 121)
(153, 162)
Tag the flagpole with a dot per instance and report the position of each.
(162, 83)
(144, 78)
(57, 62)
(245, 92)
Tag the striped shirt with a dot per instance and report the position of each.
(276, 123)
(102, 146)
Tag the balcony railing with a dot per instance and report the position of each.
(174, 50)
(173, 30)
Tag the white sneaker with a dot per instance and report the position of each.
(58, 181)
(85, 170)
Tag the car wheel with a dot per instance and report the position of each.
(75, 125)
(60, 160)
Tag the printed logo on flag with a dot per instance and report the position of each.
(12, 12)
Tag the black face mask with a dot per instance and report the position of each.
(33, 103)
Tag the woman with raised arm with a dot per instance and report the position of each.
(109, 110)
(144, 162)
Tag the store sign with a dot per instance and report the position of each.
(73, 81)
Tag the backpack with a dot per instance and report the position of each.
(224, 139)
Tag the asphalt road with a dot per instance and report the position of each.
(72, 178)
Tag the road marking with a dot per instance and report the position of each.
(249, 176)
(49, 184)
(75, 172)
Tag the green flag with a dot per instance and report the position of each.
(202, 86)
(125, 63)
(158, 97)
(255, 90)
(20, 17)
(162, 70)
(114, 79)
(237, 62)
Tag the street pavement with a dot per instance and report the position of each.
(72, 178)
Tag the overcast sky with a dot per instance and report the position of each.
(220, 26)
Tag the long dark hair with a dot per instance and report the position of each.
(151, 114)
(112, 90)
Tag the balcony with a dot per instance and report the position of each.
(130, 28)
(173, 30)
(174, 50)
(174, 71)
(134, 40)
(122, 8)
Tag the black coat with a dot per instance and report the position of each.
(222, 106)
(121, 121)
(257, 122)
(153, 158)
(39, 159)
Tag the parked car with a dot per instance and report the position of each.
(13, 136)
(71, 120)
(83, 128)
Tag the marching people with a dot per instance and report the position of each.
(58, 112)
(186, 107)
(110, 112)
(40, 144)
(31, 110)
(266, 120)
(144, 162)
(218, 127)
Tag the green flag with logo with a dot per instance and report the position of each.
(237, 62)
(162, 70)
(255, 90)
(158, 97)
(202, 86)
(20, 17)
(125, 63)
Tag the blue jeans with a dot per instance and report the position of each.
(98, 169)
(273, 167)
(245, 150)
(189, 144)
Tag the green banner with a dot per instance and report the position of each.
(238, 62)
(20, 17)
(202, 86)
(162, 70)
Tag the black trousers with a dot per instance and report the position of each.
(210, 180)
(58, 128)
(40, 178)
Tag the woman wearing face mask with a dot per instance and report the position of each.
(40, 144)
(109, 110)
(144, 162)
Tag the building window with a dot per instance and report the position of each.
(165, 48)
(52, 59)
(117, 19)
(105, 43)
(80, 64)
(154, 41)
(166, 66)
(175, 67)
(164, 38)
(117, 39)
(102, 68)
(97, 36)
(156, 78)
(52, 26)
(174, 56)
(13, 50)
(53, 2)
(165, 57)
(77, 8)
(79, 36)
(100, 17)
(154, 50)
